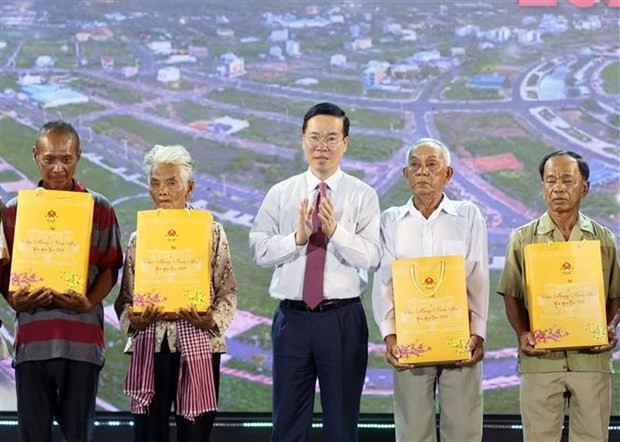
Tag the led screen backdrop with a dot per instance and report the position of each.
(502, 84)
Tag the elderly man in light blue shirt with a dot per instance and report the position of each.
(430, 224)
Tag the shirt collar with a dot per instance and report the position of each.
(332, 182)
(77, 186)
(446, 205)
(546, 224)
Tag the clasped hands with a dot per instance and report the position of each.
(527, 343)
(392, 353)
(326, 215)
(24, 300)
(152, 314)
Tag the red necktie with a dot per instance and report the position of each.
(315, 256)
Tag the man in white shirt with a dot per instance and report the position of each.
(430, 224)
(320, 230)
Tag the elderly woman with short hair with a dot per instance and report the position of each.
(156, 340)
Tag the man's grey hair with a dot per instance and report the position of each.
(175, 155)
(429, 142)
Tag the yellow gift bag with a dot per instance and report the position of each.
(565, 294)
(173, 259)
(430, 301)
(51, 246)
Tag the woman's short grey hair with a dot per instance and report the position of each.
(175, 155)
(429, 142)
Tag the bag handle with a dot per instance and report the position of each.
(40, 191)
(187, 211)
(442, 273)
(581, 243)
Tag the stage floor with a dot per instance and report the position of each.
(237, 427)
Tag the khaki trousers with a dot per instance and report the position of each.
(4, 350)
(460, 404)
(542, 406)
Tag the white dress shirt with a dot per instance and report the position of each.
(454, 228)
(354, 247)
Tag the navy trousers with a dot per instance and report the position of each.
(331, 346)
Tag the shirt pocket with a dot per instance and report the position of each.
(458, 247)
(453, 247)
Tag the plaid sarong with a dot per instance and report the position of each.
(195, 387)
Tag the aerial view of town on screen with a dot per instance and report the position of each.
(500, 84)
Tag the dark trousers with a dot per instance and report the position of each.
(56, 388)
(331, 346)
(153, 426)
